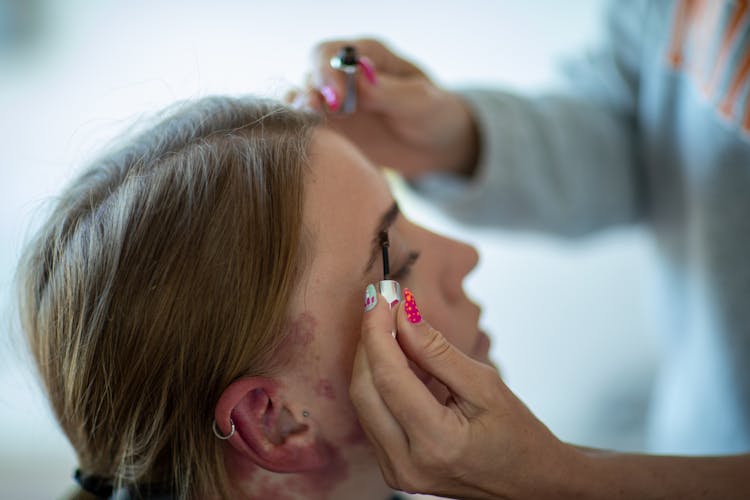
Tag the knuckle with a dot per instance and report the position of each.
(386, 469)
(490, 384)
(370, 44)
(436, 345)
(386, 381)
(439, 457)
(371, 333)
(443, 457)
(392, 475)
(356, 389)
(390, 479)
(370, 325)
(376, 322)
(407, 480)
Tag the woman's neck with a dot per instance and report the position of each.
(358, 476)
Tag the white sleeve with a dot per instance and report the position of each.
(564, 163)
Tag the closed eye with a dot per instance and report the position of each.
(404, 270)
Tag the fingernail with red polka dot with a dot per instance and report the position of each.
(410, 306)
(371, 298)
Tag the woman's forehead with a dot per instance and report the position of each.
(342, 179)
(331, 153)
(345, 198)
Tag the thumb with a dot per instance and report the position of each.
(429, 349)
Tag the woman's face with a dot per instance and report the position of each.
(347, 202)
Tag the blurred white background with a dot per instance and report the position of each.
(569, 319)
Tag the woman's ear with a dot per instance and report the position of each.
(267, 429)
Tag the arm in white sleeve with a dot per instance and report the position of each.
(564, 163)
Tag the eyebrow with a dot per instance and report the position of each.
(385, 222)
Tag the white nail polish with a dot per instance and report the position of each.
(371, 298)
(391, 292)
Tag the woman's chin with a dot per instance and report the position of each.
(482, 345)
(481, 351)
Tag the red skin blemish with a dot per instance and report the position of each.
(298, 334)
(315, 485)
(324, 388)
(257, 482)
(329, 468)
(269, 489)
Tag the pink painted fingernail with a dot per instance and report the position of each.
(410, 306)
(368, 69)
(329, 94)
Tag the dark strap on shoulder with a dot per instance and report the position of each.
(103, 488)
(96, 485)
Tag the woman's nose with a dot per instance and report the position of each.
(463, 258)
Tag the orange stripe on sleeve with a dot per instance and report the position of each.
(729, 34)
(683, 17)
(739, 77)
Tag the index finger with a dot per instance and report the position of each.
(387, 437)
(410, 402)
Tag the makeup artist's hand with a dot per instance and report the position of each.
(403, 120)
(480, 443)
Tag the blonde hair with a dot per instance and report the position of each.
(164, 273)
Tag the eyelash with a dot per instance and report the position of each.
(404, 270)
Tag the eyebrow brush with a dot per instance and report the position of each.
(389, 289)
(385, 245)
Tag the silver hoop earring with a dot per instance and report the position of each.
(218, 433)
